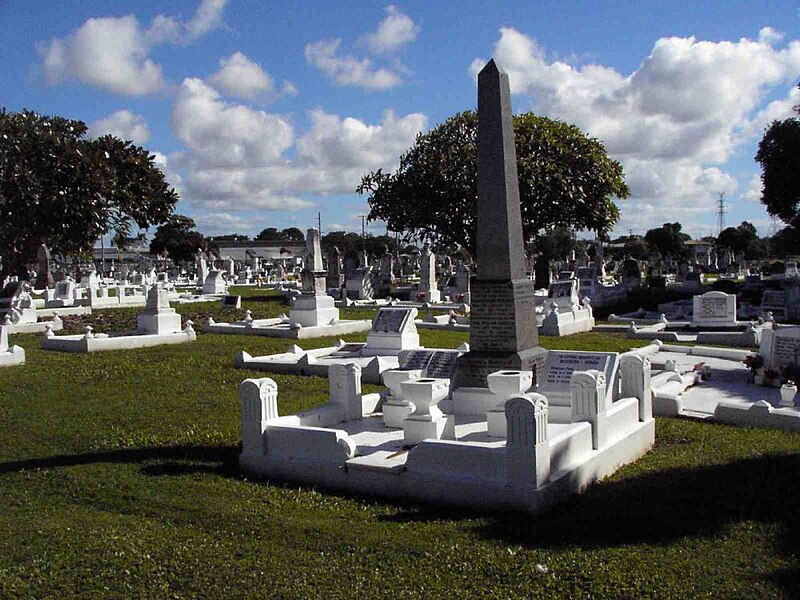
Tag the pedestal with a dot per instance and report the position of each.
(312, 311)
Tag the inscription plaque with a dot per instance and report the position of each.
(390, 320)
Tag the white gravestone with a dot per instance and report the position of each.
(780, 347)
(714, 308)
(559, 366)
(392, 330)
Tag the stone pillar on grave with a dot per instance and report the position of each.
(527, 443)
(427, 282)
(345, 390)
(44, 276)
(258, 399)
(503, 331)
(335, 276)
(588, 398)
(635, 382)
(313, 307)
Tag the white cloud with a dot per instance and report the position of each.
(394, 32)
(671, 122)
(767, 35)
(240, 77)
(112, 53)
(753, 191)
(348, 70)
(124, 124)
(237, 158)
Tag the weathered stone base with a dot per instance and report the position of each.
(473, 367)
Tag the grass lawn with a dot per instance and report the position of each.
(118, 479)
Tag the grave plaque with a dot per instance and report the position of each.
(442, 364)
(560, 289)
(560, 364)
(417, 360)
(350, 348)
(390, 320)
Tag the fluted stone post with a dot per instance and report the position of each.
(527, 444)
(635, 383)
(345, 390)
(259, 404)
(588, 395)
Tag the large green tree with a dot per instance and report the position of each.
(59, 187)
(779, 157)
(178, 239)
(667, 239)
(743, 238)
(565, 179)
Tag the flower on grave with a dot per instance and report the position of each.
(753, 361)
(422, 295)
(459, 297)
(770, 375)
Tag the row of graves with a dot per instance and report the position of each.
(499, 423)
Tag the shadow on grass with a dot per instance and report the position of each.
(659, 507)
(174, 460)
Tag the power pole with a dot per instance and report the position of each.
(319, 222)
(721, 213)
(363, 231)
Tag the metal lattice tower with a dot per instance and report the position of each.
(721, 213)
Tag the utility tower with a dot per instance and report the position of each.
(721, 213)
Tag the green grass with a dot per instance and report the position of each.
(118, 479)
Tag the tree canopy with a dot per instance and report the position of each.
(779, 157)
(743, 238)
(177, 239)
(667, 239)
(271, 234)
(565, 179)
(58, 187)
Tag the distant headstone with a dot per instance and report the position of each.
(774, 301)
(393, 330)
(231, 301)
(44, 276)
(714, 308)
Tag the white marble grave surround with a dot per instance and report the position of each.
(540, 462)
(9, 355)
(156, 326)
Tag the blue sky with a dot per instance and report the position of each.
(263, 114)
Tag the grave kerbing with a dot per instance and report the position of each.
(503, 333)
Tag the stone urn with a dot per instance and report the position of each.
(788, 393)
(425, 394)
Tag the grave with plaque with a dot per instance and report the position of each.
(780, 347)
(430, 440)
(774, 301)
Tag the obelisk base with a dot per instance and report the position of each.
(473, 367)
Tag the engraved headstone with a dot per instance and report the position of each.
(780, 347)
(560, 364)
(714, 308)
(503, 331)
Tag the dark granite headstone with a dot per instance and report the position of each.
(503, 332)
(390, 320)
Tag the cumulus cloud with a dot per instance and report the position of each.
(348, 70)
(124, 124)
(112, 53)
(394, 32)
(240, 77)
(239, 158)
(672, 122)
